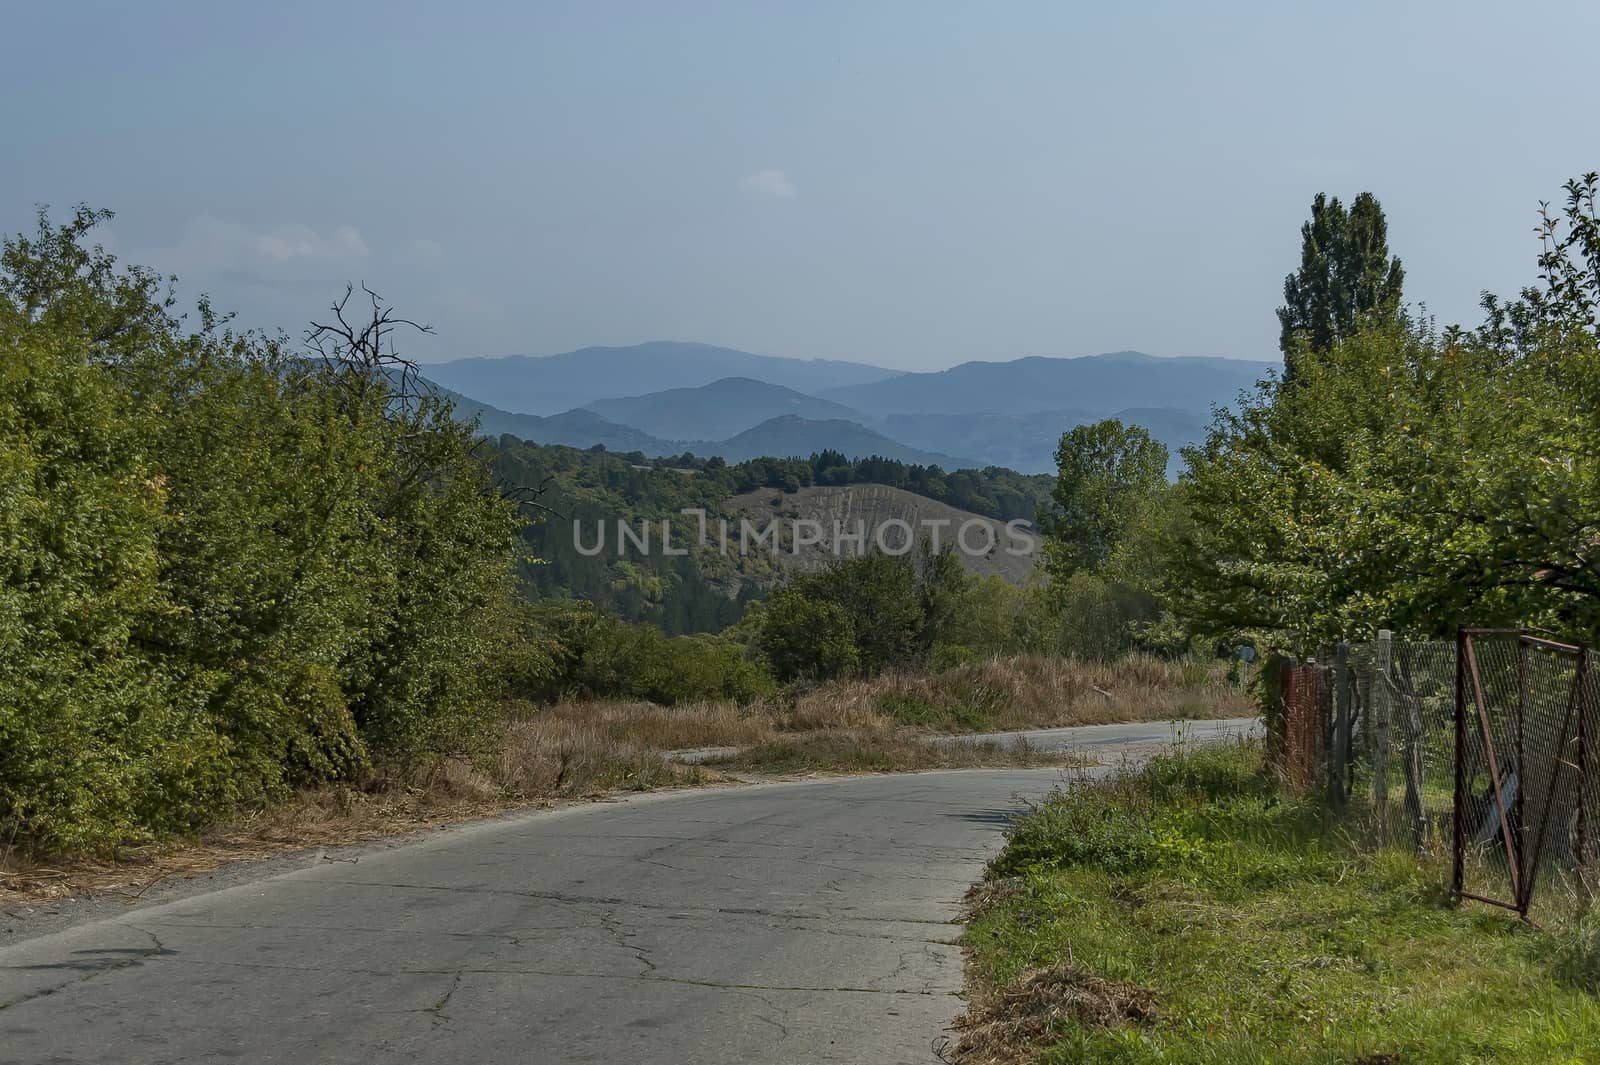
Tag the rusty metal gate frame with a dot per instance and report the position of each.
(1522, 862)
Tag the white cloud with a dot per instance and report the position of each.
(770, 184)
(303, 242)
(210, 245)
(425, 250)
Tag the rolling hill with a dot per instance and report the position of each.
(786, 436)
(1094, 384)
(873, 505)
(574, 428)
(550, 384)
(792, 436)
(1027, 442)
(717, 410)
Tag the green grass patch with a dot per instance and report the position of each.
(1260, 936)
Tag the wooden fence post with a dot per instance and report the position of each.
(1382, 701)
(1585, 785)
(1412, 755)
(1274, 674)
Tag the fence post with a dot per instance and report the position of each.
(1585, 885)
(1524, 698)
(1410, 708)
(1458, 845)
(1382, 653)
(1361, 694)
(1277, 685)
(1340, 762)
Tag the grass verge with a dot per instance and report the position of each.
(1184, 912)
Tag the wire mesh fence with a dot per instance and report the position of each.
(1479, 753)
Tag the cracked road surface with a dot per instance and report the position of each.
(806, 921)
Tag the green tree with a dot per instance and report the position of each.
(225, 568)
(1413, 480)
(863, 614)
(803, 637)
(1106, 472)
(1346, 275)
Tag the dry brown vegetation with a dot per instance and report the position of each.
(1011, 1025)
(578, 749)
(1031, 691)
(534, 763)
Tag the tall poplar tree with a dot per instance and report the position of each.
(1346, 275)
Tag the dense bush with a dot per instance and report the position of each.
(574, 649)
(803, 636)
(224, 568)
(862, 614)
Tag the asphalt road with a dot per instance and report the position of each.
(806, 921)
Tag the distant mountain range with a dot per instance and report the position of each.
(719, 409)
(550, 384)
(665, 398)
(783, 436)
(792, 436)
(1027, 442)
(1094, 384)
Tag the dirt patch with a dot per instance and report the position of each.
(985, 895)
(1012, 1024)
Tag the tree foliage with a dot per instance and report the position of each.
(1106, 473)
(1346, 277)
(862, 614)
(1414, 480)
(225, 568)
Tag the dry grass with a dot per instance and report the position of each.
(887, 750)
(615, 725)
(579, 749)
(1029, 691)
(1010, 1025)
(985, 895)
(536, 761)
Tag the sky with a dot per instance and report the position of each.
(907, 184)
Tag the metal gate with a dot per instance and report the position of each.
(1524, 791)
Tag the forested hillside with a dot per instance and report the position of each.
(704, 590)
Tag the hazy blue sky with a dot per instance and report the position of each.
(912, 184)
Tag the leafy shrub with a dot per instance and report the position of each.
(942, 714)
(863, 614)
(575, 649)
(224, 569)
(803, 637)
